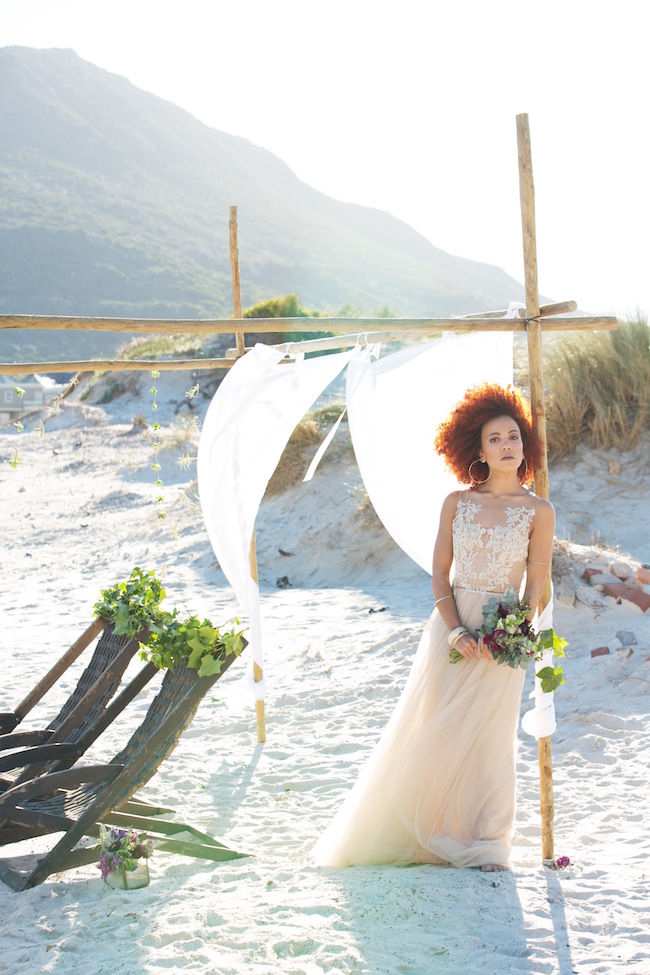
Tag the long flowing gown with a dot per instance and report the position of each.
(440, 785)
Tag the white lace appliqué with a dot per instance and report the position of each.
(490, 558)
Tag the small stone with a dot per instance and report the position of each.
(615, 467)
(600, 652)
(593, 570)
(282, 582)
(604, 579)
(621, 570)
(566, 597)
(643, 574)
(627, 637)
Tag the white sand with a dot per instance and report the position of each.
(79, 512)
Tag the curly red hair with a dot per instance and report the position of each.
(458, 439)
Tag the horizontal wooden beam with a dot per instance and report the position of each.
(262, 325)
(391, 330)
(113, 365)
(555, 308)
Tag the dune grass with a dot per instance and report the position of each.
(300, 449)
(598, 388)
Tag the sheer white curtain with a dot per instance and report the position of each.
(394, 406)
(246, 428)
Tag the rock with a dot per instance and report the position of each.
(283, 582)
(643, 574)
(565, 592)
(592, 570)
(627, 637)
(600, 652)
(621, 570)
(604, 579)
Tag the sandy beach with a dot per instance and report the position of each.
(79, 512)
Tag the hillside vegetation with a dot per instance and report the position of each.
(116, 203)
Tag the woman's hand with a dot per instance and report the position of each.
(471, 648)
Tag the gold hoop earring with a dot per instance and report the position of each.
(471, 476)
(525, 478)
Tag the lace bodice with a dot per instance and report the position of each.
(490, 557)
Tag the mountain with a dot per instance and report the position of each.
(115, 202)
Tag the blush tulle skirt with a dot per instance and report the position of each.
(440, 785)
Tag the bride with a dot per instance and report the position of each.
(440, 785)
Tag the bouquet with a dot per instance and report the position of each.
(512, 641)
(121, 849)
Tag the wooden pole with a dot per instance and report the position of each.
(555, 308)
(257, 670)
(252, 552)
(236, 280)
(209, 326)
(534, 331)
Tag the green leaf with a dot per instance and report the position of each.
(121, 618)
(549, 640)
(210, 665)
(195, 656)
(195, 643)
(208, 634)
(551, 678)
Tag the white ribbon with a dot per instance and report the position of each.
(318, 456)
(540, 721)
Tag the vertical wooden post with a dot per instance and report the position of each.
(534, 332)
(236, 280)
(257, 670)
(252, 552)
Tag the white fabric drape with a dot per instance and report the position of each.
(246, 428)
(394, 407)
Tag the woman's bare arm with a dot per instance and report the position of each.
(540, 551)
(443, 556)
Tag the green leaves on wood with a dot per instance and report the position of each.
(199, 643)
(134, 606)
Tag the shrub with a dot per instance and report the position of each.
(598, 388)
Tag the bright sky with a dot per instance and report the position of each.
(409, 106)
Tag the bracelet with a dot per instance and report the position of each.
(456, 635)
(459, 638)
(439, 599)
